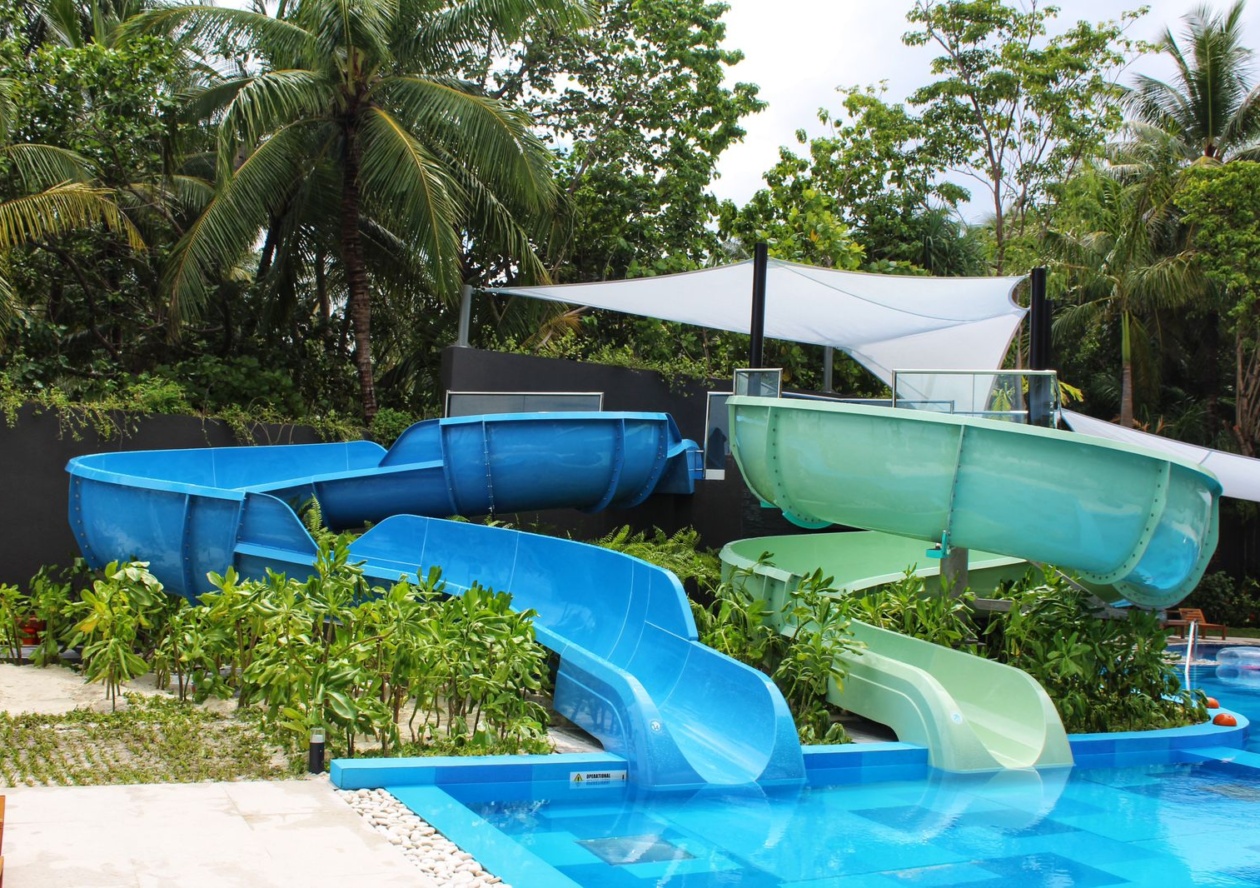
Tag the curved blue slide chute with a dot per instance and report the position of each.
(631, 670)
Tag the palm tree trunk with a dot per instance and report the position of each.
(1126, 374)
(360, 301)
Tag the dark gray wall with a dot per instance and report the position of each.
(34, 452)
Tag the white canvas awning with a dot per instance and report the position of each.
(1239, 475)
(885, 322)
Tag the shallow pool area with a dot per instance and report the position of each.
(1160, 808)
(1189, 824)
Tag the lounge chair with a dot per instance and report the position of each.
(1186, 616)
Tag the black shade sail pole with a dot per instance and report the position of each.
(1040, 391)
(757, 329)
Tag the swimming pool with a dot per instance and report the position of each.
(1175, 817)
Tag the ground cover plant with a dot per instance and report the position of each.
(150, 740)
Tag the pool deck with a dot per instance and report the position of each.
(254, 835)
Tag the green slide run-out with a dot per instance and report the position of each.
(1122, 517)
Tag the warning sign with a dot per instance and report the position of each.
(583, 779)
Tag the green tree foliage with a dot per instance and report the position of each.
(1023, 107)
(355, 125)
(1117, 254)
(869, 193)
(638, 113)
(1211, 110)
(1222, 207)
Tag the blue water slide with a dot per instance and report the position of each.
(631, 670)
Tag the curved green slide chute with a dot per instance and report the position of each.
(1123, 517)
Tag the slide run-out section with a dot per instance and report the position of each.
(1133, 520)
(631, 670)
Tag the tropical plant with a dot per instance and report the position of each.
(358, 100)
(909, 607)
(1118, 256)
(1210, 110)
(111, 616)
(1102, 674)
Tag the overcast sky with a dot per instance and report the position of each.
(799, 51)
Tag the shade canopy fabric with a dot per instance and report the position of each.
(885, 322)
(1239, 475)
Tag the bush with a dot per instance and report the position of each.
(1102, 674)
(1223, 600)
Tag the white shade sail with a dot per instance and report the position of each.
(885, 322)
(1239, 475)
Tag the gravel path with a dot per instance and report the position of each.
(437, 857)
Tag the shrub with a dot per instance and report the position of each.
(1223, 600)
(1102, 674)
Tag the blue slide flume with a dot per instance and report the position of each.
(631, 670)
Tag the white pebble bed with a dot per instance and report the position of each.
(441, 861)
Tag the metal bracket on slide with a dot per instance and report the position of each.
(941, 549)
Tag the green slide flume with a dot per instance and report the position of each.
(1124, 518)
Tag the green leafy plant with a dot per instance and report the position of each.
(1102, 674)
(110, 617)
(908, 607)
(798, 645)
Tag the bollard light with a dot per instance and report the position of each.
(315, 754)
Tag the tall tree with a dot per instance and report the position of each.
(1211, 110)
(1222, 207)
(1023, 107)
(1113, 253)
(362, 92)
(872, 185)
(638, 111)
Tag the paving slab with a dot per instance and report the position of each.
(264, 834)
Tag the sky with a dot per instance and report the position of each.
(799, 51)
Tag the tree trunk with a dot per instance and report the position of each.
(1247, 396)
(1126, 373)
(360, 300)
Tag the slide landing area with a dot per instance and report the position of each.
(631, 670)
(1124, 517)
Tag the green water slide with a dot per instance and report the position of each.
(1126, 519)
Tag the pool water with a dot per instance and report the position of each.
(1159, 825)
(1167, 824)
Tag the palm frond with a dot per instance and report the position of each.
(41, 166)
(493, 140)
(213, 25)
(232, 220)
(411, 189)
(266, 103)
(470, 23)
(60, 209)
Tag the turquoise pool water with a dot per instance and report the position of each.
(1158, 825)
(1181, 823)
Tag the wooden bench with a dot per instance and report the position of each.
(1186, 616)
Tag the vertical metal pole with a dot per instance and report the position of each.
(465, 315)
(757, 328)
(1039, 323)
(1039, 316)
(829, 366)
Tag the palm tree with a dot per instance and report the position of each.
(361, 93)
(1210, 110)
(1114, 253)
